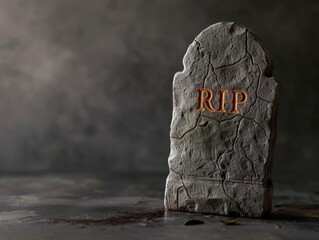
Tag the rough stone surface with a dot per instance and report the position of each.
(220, 162)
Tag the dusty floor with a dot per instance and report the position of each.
(127, 207)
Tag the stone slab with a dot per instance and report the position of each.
(223, 125)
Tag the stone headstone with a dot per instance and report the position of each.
(223, 126)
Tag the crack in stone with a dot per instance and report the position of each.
(177, 196)
(218, 162)
(208, 192)
(238, 61)
(243, 116)
(232, 64)
(220, 121)
(258, 83)
(224, 189)
(200, 167)
(235, 138)
(229, 181)
(251, 161)
(252, 119)
(237, 133)
(199, 45)
(182, 180)
(264, 99)
(252, 183)
(196, 123)
(213, 68)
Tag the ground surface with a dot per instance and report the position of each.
(130, 207)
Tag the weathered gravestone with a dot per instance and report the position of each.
(223, 126)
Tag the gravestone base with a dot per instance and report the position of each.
(245, 199)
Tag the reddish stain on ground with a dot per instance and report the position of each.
(123, 218)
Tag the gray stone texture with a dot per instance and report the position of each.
(221, 162)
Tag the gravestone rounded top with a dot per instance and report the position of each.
(223, 125)
(228, 43)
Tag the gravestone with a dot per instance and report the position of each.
(223, 126)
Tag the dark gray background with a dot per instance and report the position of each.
(86, 85)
